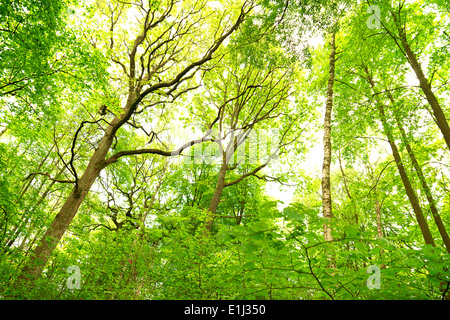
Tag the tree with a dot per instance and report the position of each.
(397, 28)
(247, 99)
(143, 82)
(423, 182)
(326, 189)
(173, 150)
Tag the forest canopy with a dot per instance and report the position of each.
(244, 149)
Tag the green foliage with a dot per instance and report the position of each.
(140, 232)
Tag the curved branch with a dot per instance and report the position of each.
(251, 173)
(180, 76)
(120, 154)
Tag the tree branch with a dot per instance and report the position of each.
(242, 177)
(120, 154)
(48, 175)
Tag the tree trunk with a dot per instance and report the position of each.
(441, 121)
(326, 185)
(216, 196)
(30, 181)
(406, 183)
(423, 225)
(426, 188)
(18, 228)
(378, 213)
(347, 190)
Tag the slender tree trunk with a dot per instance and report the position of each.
(378, 213)
(30, 181)
(152, 201)
(407, 184)
(347, 190)
(49, 187)
(17, 230)
(37, 204)
(426, 188)
(326, 184)
(379, 226)
(422, 222)
(216, 196)
(441, 121)
(438, 113)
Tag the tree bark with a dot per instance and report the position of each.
(216, 196)
(425, 85)
(426, 188)
(423, 225)
(422, 222)
(326, 184)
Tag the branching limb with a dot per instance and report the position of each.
(49, 177)
(120, 154)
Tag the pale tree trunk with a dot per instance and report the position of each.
(36, 205)
(326, 184)
(377, 208)
(379, 226)
(18, 228)
(378, 204)
(152, 200)
(16, 231)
